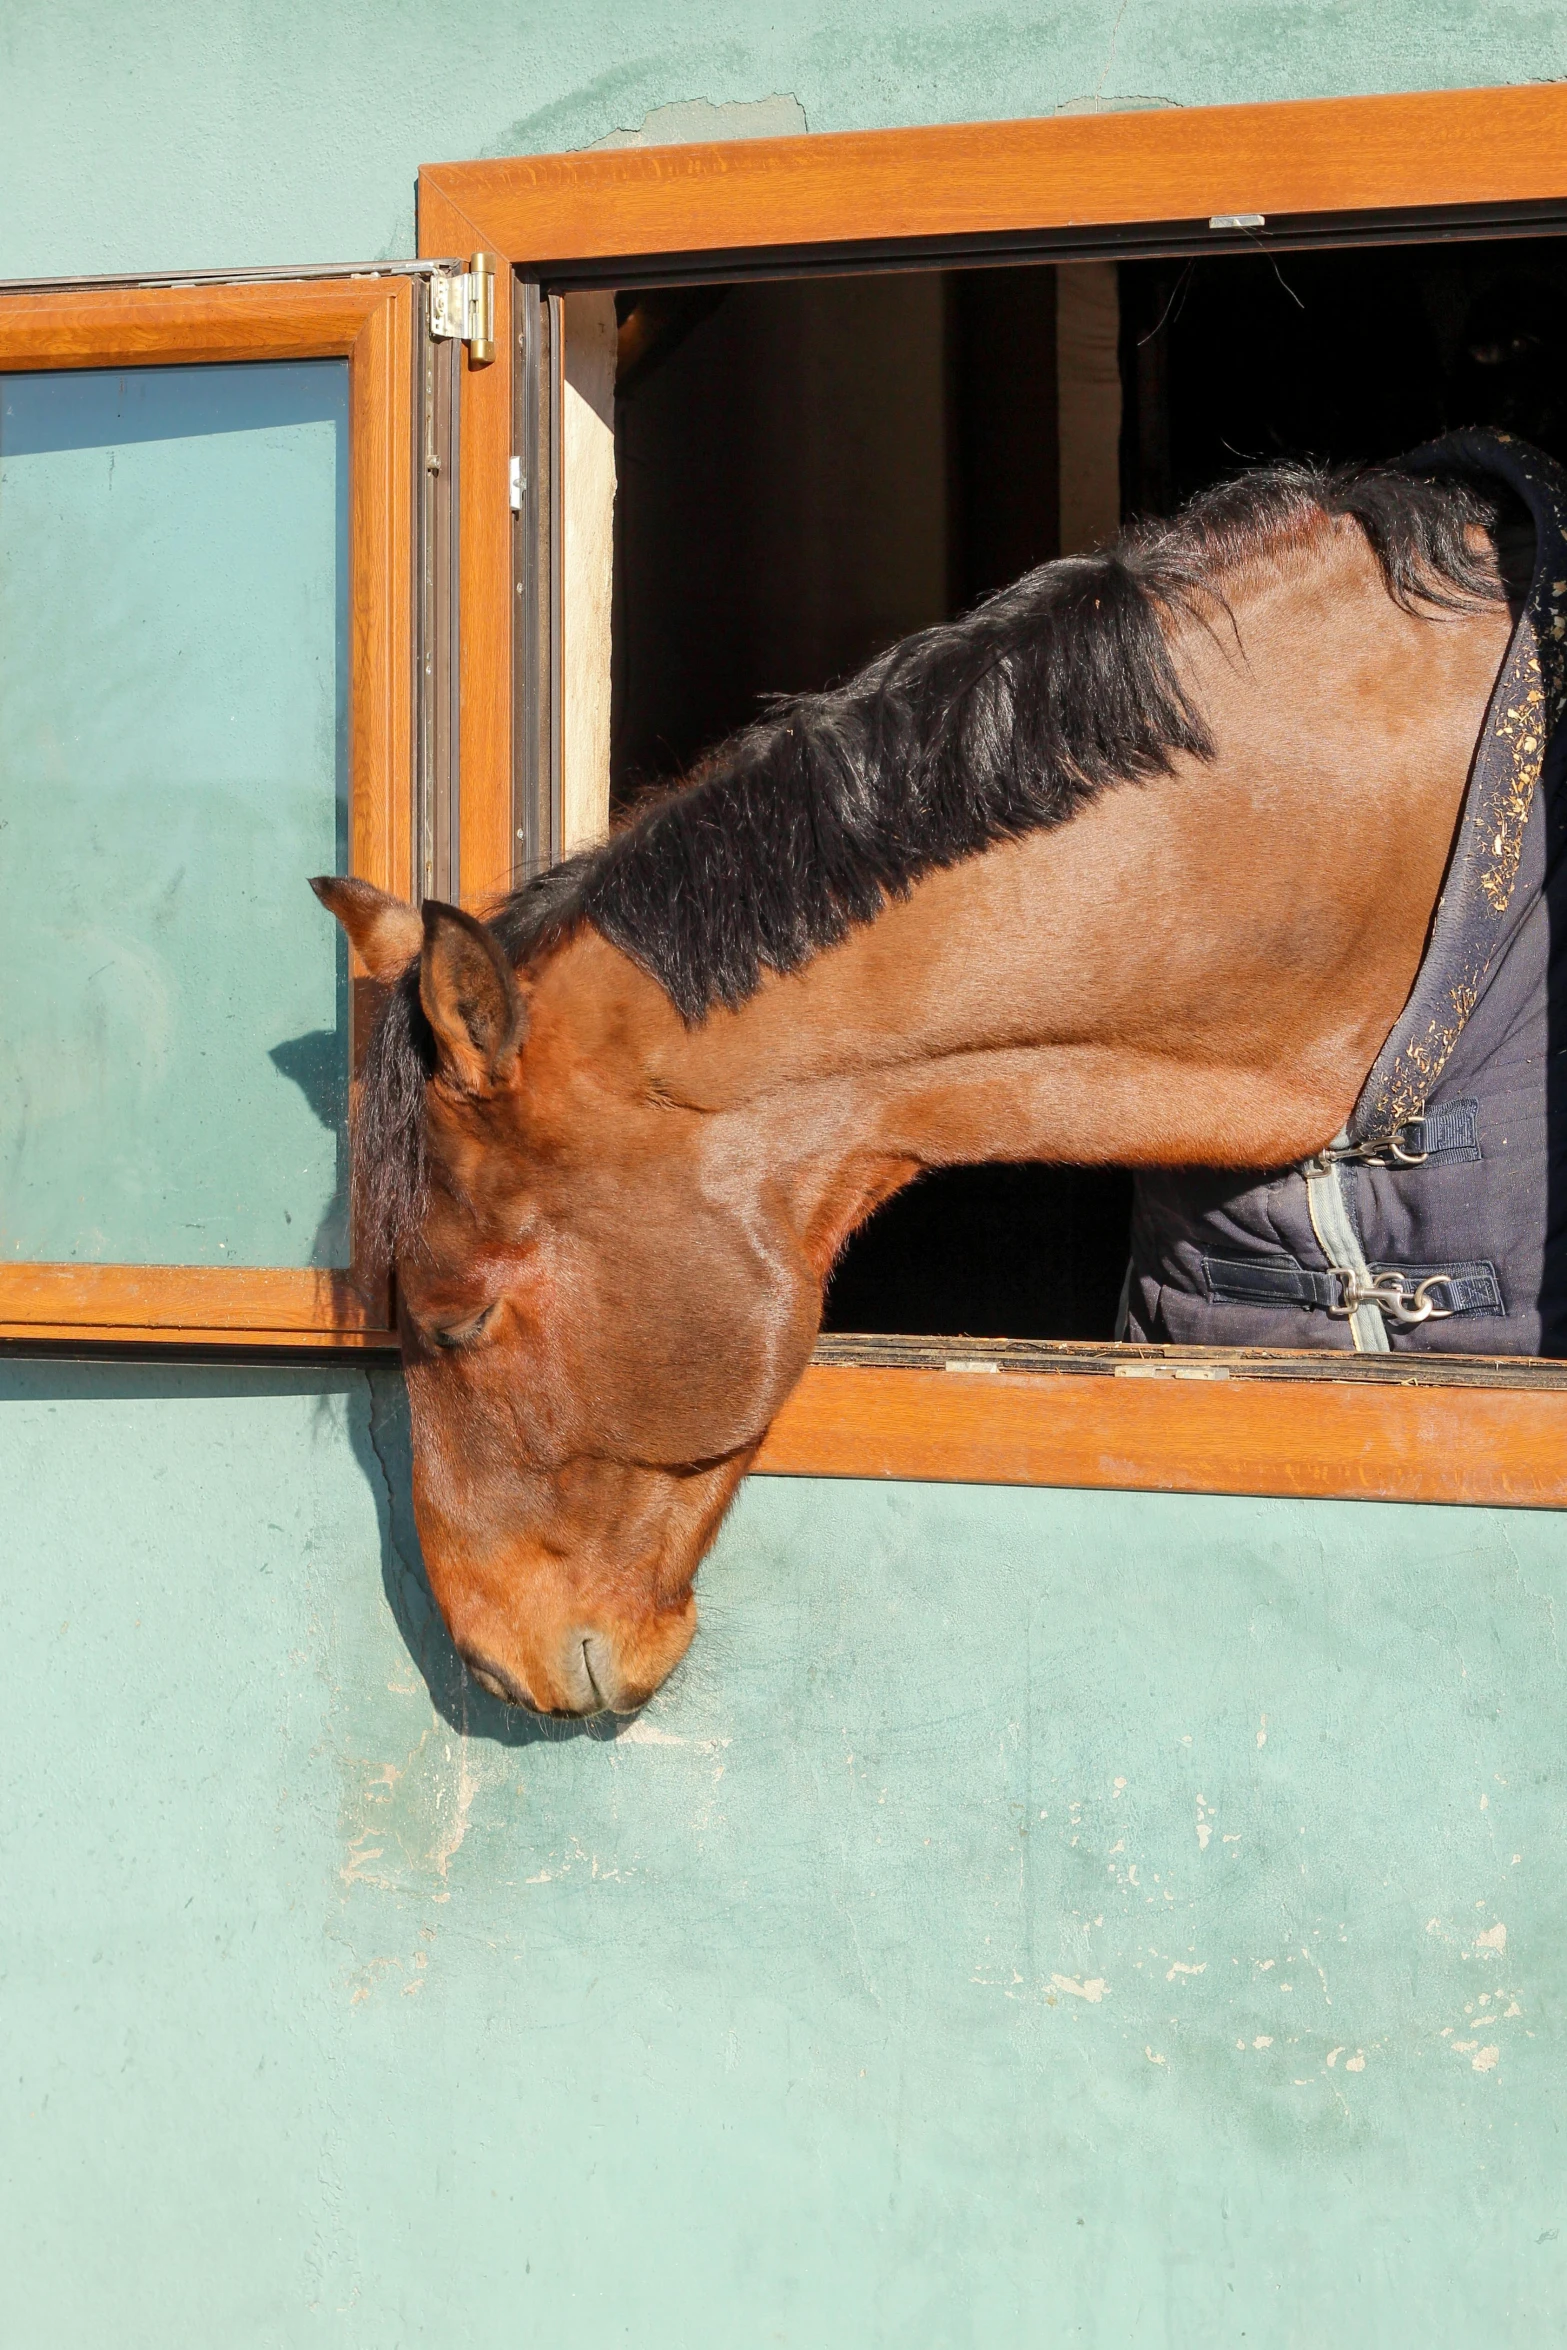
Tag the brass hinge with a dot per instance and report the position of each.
(462, 308)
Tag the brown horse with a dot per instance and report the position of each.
(1135, 865)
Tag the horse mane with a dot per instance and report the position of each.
(976, 731)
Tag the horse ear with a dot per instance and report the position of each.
(386, 932)
(470, 997)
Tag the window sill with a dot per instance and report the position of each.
(1475, 1429)
(222, 1306)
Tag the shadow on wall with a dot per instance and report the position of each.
(317, 1063)
(372, 1405)
(382, 1445)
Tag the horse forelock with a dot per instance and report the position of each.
(977, 731)
(389, 1175)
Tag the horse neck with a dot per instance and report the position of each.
(1192, 970)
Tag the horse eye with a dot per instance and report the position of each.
(453, 1336)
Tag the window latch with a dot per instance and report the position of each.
(462, 308)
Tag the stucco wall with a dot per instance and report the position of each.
(1033, 1919)
(174, 133)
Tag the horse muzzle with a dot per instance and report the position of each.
(590, 1669)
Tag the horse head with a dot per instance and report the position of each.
(596, 1324)
(612, 1139)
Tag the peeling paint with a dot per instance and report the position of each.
(643, 1732)
(1095, 1989)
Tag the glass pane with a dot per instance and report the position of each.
(173, 765)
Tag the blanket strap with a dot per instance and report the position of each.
(1340, 1244)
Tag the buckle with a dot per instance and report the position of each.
(1389, 1293)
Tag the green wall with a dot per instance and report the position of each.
(1036, 1919)
(179, 133)
(1032, 1919)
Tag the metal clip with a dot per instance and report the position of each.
(1389, 1152)
(1388, 1293)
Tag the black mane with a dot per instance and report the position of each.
(967, 734)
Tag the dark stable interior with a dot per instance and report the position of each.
(810, 469)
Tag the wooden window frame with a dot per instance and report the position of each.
(1320, 172)
(369, 322)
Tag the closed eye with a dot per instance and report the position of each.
(453, 1336)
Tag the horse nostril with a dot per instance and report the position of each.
(599, 1699)
(498, 1682)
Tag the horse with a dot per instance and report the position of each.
(1133, 865)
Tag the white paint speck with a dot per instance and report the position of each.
(1093, 1990)
(1355, 2063)
(1180, 1968)
(1262, 1732)
(1485, 2060)
(1263, 2040)
(1494, 1938)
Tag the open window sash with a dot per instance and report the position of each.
(227, 661)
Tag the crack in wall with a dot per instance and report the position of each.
(692, 121)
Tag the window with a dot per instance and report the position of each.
(1102, 206)
(207, 593)
(241, 519)
(804, 471)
